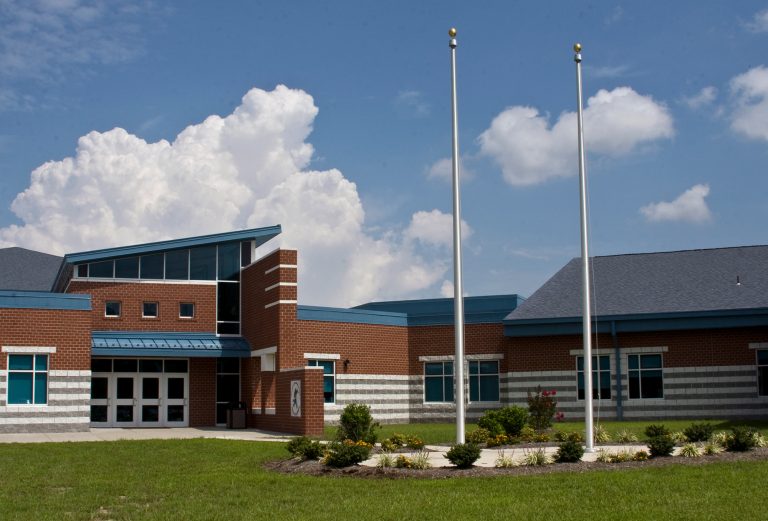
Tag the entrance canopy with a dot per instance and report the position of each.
(168, 344)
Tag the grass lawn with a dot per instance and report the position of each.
(437, 433)
(218, 479)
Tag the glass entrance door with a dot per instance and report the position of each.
(140, 393)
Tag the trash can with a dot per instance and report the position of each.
(236, 416)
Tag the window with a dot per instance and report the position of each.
(127, 268)
(112, 308)
(645, 376)
(329, 371)
(601, 377)
(152, 266)
(27, 379)
(82, 270)
(177, 265)
(762, 372)
(187, 310)
(149, 310)
(105, 269)
(438, 381)
(483, 381)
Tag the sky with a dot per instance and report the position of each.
(128, 122)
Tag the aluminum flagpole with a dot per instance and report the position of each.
(458, 292)
(585, 301)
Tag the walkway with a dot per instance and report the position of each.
(113, 434)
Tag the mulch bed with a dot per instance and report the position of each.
(314, 468)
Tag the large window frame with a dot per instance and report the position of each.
(438, 382)
(484, 378)
(601, 377)
(645, 374)
(27, 371)
(761, 361)
(329, 378)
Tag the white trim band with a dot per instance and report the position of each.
(279, 266)
(289, 284)
(275, 303)
(321, 356)
(624, 351)
(264, 351)
(28, 349)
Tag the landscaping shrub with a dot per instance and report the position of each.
(601, 435)
(699, 432)
(527, 434)
(661, 446)
(507, 420)
(478, 436)
(690, 450)
(385, 461)
(504, 461)
(388, 446)
(569, 451)
(305, 448)
(463, 455)
(653, 431)
(542, 406)
(356, 424)
(420, 461)
(622, 456)
(712, 448)
(603, 456)
(741, 439)
(541, 437)
(566, 436)
(759, 440)
(678, 437)
(346, 453)
(414, 442)
(626, 436)
(535, 458)
(640, 455)
(497, 441)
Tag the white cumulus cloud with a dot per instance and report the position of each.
(249, 168)
(701, 99)
(690, 206)
(750, 95)
(759, 22)
(435, 228)
(530, 151)
(442, 169)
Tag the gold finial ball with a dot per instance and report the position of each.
(577, 47)
(452, 32)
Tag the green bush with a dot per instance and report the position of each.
(346, 453)
(356, 424)
(640, 455)
(699, 432)
(478, 436)
(569, 451)
(463, 455)
(414, 442)
(741, 439)
(304, 448)
(542, 406)
(653, 431)
(507, 420)
(661, 446)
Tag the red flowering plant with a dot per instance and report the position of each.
(542, 407)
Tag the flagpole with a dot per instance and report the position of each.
(458, 293)
(585, 302)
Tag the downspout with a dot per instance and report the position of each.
(617, 357)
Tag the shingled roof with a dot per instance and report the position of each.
(707, 280)
(27, 270)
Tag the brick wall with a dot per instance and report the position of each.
(69, 368)
(311, 421)
(202, 392)
(132, 295)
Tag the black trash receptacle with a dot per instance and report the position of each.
(236, 416)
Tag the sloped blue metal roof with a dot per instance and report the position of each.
(187, 345)
(260, 235)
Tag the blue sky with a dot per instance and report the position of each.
(110, 106)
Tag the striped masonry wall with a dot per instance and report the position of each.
(68, 408)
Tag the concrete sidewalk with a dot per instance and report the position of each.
(488, 457)
(113, 434)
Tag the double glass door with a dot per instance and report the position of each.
(139, 399)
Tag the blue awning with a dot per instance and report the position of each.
(166, 344)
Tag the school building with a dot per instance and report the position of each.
(189, 332)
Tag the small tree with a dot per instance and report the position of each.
(542, 406)
(356, 424)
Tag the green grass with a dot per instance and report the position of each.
(441, 433)
(223, 480)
